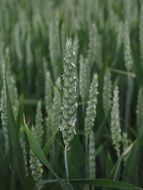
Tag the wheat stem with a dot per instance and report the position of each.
(66, 162)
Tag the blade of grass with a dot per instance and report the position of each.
(15, 149)
(116, 168)
(40, 155)
(101, 183)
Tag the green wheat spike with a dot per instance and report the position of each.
(36, 166)
(127, 48)
(91, 107)
(84, 79)
(56, 114)
(115, 122)
(4, 117)
(39, 123)
(139, 108)
(107, 93)
(69, 102)
(48, 92)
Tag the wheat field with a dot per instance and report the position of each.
(71, 94)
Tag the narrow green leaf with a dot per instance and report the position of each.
(105, 183)
(133, 159)
(116, 167)
(132, 162)
(40, 155)
(14, 143)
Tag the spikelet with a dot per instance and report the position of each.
(56, 108)
(91, 108)
(39, 123)
(139, 109)
(11, 84)
(13, 97)
(107, 93)
(36, 166)
(69, 102)
(4, 117)
(48, 92)
(127, 48)
(92, 168)
(84, 79)
(115, 121)
(129, 66)
(141, 33)
(48, 103)
(24, 151)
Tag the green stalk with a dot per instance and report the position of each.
(66, 163)
(86, 155)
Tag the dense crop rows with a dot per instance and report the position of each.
(71, 94)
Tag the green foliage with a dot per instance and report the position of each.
(73, 70)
